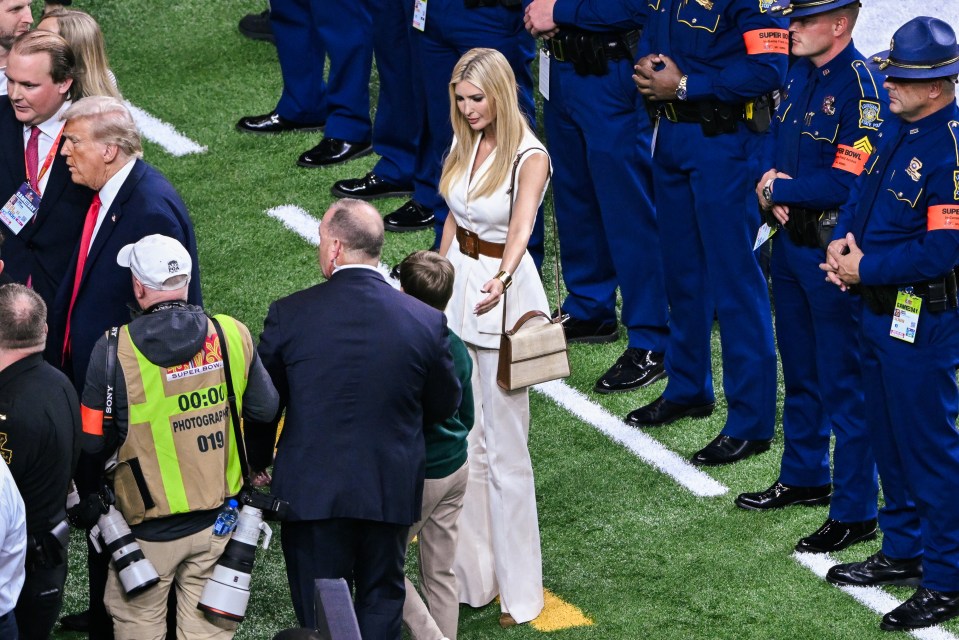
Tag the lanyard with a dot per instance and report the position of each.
(48, 161)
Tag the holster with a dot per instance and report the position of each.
(938, 295)
(758, 113)
(717, 118)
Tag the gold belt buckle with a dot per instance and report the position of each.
(469, 244)
(559, 53)
(670, 110)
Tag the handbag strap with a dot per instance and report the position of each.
(512, 198)
(526, 317)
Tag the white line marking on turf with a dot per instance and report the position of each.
(300, 222)
(642, 445)
(163, 134)
(872, 597)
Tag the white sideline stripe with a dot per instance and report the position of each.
(163, 134)
(872, 597)
(300, 222)
(643, 446)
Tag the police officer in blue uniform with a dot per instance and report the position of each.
(306, 32)
(898, 242)
(713, 66)
(825, 130)
(600, 138)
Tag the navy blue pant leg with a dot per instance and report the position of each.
(707, 231)
(345, 27)
(396, 129)
(602, 191)
(917, 445)
(302, 56)
(817, 330)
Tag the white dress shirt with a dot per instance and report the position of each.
(13, 541)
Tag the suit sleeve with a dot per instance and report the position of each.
(442, 392)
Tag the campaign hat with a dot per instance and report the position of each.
(802, 8)
(923, 48)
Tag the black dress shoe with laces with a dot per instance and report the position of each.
(877, 569)
(590, 331)
(836, 536)
(726, 450)
(634, 369)
(273, 123)
(76, 621)
(369, 187)
(333, 151)
(256, 26)
(412, 216)
(925, 608)
(782, 495)
(661, 411)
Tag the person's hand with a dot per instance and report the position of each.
(260, 478)
(842, 262)
(769, 175)
(493, 287)
(781, 213)
(538, 19)
(657, 77)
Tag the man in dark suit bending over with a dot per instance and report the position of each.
(360, 367)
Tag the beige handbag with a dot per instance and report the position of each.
(534, 350)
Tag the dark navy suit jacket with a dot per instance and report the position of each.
(360, 368)
(146, 204)
(42, 250)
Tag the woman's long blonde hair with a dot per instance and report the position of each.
(491, 73)
(83, 34)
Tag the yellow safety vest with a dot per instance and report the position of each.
(179, 454)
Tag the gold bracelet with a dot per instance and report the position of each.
(505, 278)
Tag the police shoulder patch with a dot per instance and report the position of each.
(869, 115)
(766, 5)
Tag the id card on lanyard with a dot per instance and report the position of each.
(22, 206)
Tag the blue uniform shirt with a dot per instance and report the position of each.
(905, 214)
(601, 15)
(731, 50)
(826, 129)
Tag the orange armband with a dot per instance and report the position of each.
(850, 159)
(766, 41)
(943, 216)
(92, 420)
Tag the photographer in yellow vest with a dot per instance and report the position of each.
(155, 408)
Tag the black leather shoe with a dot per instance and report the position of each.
(333, 151)
(661, 411)
(726, 449)
(412, 216)
(836, 536)
(924, 609)
(782, 495)
(273, 123)
(635, 368)
(877, 569)
(256, 26)
(590, 331)
(76, 621)
(369, 187)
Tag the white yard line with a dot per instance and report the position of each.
(163, 134)
(302, 223)
(643, 446)
(872, 597)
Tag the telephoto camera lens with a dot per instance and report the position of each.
(227, 593)
(136, 573)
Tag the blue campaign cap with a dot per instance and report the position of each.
(923, 48)
(802, 8)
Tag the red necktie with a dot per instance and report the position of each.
(33, 159)
(88, 225)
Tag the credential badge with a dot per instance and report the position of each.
(913, 170)
(869, 115)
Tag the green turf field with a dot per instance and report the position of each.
(639, 555)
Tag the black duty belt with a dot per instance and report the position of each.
(937, 295)
(589, 52)
(811, 227)
(716, 117)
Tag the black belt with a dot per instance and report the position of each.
(589, 52)
(717, 117)
(938, 295)
(811, 227)
(696, 112)
(509, 4)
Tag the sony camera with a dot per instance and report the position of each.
(108, 530)
(227, 593)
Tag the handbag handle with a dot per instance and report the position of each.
(529, 315)
(512, 197)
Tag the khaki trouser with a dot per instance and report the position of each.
(186, 562)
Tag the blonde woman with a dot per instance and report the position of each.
(83, 34)
(499, 545)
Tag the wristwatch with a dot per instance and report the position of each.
(681, 89)
(768, 191)
(505, 278)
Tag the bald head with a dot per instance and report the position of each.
(23, 319)
(351, 233)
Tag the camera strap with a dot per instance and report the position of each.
(113, 341)
(231, 401)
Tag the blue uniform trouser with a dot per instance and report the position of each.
(911, 407)
(817, 330)
(451, 31)
(708, 217)
(396, 130)
(602, 192)
(305, 30)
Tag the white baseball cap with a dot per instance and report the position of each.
(155, 259)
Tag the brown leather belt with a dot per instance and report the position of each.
(473, 246)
